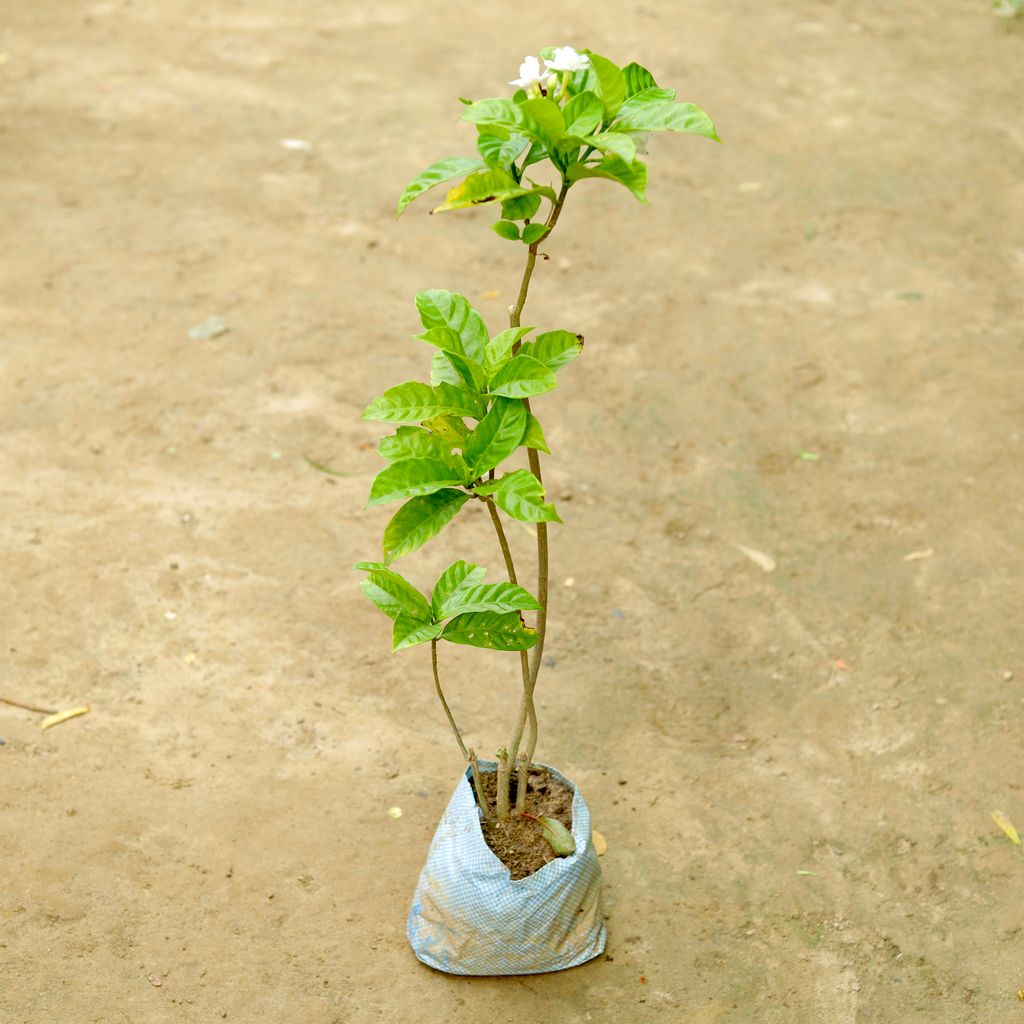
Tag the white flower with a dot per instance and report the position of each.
(567, 59)
(529, 73)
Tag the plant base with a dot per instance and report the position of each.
(469, 916)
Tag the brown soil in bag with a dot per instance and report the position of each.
(519, 842)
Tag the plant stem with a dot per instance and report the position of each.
(26, 707)
(522, 781)
(516, 311)
(481, 797)
(503, 778)
(528, 711)
(444, 703)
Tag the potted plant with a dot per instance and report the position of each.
(512, 883)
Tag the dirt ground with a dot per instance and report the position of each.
(794, 769)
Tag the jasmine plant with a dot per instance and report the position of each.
(576, 116)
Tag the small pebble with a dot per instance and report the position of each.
(1007, 676)
(618, 613)
(549, 660)
(211, 327)
(170, 616)
(2, 741)
(569, 581)
(394, 812)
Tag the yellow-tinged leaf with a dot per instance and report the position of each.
(558, 836)
(600, 843)
(1007, 826)
(62, 716)
(763, 561)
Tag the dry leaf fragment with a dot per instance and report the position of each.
(62, 716)
(759, 558)
(917, 556)
(1007, 826)
(600, 843)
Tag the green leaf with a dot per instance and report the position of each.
(532, 117)
(506, 229)
(412, 402)
(499, 348)
(534, 436)
(582, 114)
(408, 632)
(442, 371)
(637, 78)
(448, 340)
(496, 436)
(435, 174)
(522, 377)
(668, 117)
(521, 208)
(646, 98)
(544, 190)
(538, 151)
(558, 836)
(438, 308)
(487, 186)
(458, 575)
(533, 233)
(547, 115)
(488, 597)
(409, 477)
(495, 631)
(419, 519)
(521, 495)
(554, 349)
(450, 429)
(392, 593)
(500, 114)
(633, 176)
(609, 84)
(412, 443)
(457, 401)
(497, 151)
(615, 142)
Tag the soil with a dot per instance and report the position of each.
(808, 346)
(519, 842)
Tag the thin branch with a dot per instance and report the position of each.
(522, 782)
(502, 540)
(444, 703)
(527, 712)
(26, 707)
(481, 797)
(501, 800)
(516, 311)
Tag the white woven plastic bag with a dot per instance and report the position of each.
(469, 917)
